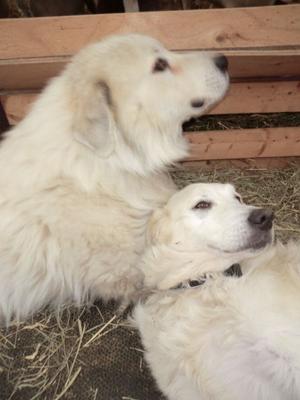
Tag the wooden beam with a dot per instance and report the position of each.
(16, 106)
(261, 97)
(244, 143)
(216, 29)
(260, 42)
(242, 98)
(29, 73)
(264, 64)
(254, 65)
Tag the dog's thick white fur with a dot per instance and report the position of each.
(80, 175)
(230, 338)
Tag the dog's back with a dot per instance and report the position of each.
(229, 338)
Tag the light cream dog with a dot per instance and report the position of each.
(80, 175)
(208, 336)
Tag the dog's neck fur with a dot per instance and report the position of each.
(122, 172)
(165, 266)
(234, 270)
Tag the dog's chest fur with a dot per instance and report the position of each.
(74, 245)
(232, 337)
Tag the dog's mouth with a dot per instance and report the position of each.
(259, 241)
(207, 106)
(255, 243)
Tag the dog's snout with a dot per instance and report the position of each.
(221, 62)
(261, 218)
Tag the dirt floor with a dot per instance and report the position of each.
(92, 353)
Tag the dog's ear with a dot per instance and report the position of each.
(159, 230)
(94, 121)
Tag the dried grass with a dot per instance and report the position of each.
(42, 359)
(243, 121)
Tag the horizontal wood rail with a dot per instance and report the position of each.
(217, 29)
(255, 97)
(33, 73)
(244, 143)
(260, 42)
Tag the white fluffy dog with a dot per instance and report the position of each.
(208, 336)
(80, 175)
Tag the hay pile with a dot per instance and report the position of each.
(92, 353)
(82, 354)
(243, 121)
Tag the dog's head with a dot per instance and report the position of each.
(130, 96)
(212, 216)
(204, 228)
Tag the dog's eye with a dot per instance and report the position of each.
(238, 198)
(160, 65)
(203, 205)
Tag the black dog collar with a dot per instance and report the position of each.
(235, 271)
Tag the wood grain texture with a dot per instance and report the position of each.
(30, 73)
(254, 65)
(261, 97)
(259, 42)
(244, 143)
(219, 29)
(242, 98)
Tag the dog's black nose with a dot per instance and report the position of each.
(261, 218)
(221, 62)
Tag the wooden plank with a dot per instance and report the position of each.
(216, 29)
(266, 64)
(30, 73)
(34, 73)
(16, 106)
(261, 97)
(244, 143)
(242, 98)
